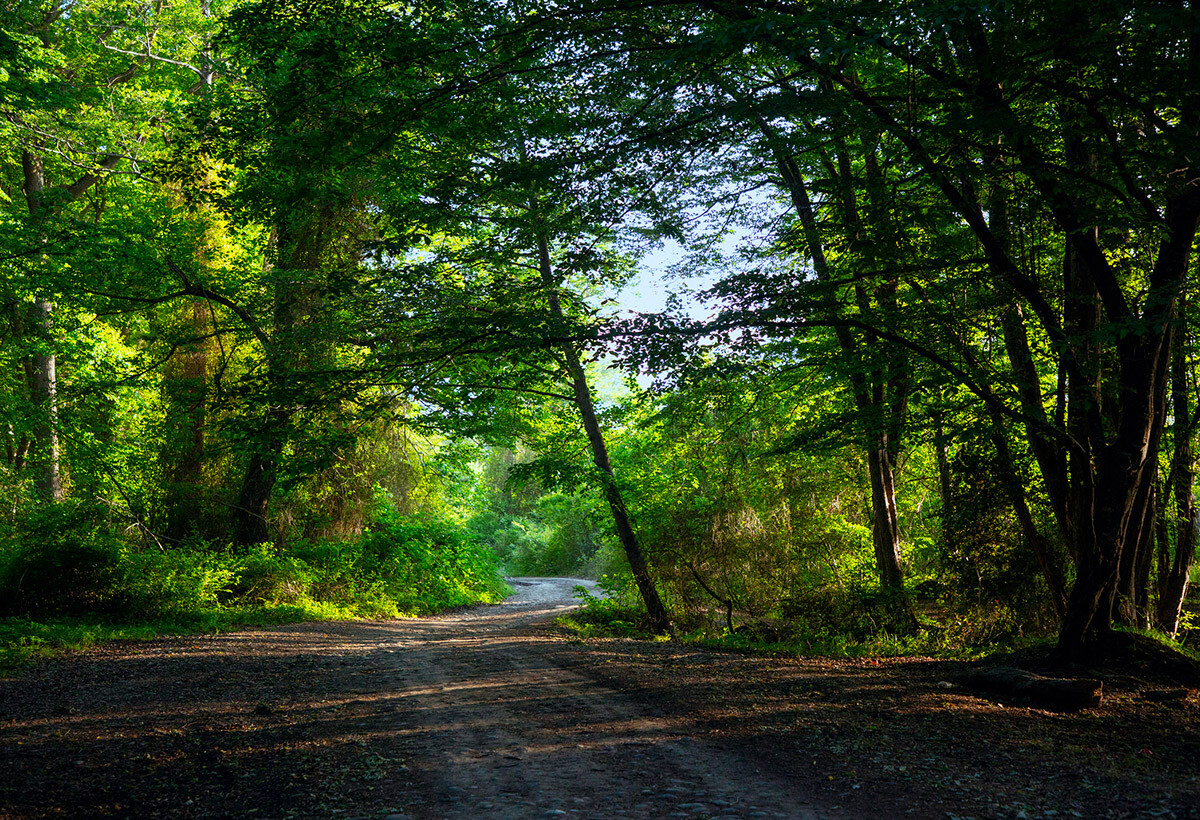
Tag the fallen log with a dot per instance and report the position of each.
(1056, 693)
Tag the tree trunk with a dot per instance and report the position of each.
(1051, 571)
(885, 531)
(41, 367)
(1175, 588)
(185, 390)
(883, 420)
(942, 454)
(1116, 489)
(253, 503)
(1056, 693)
(43, 392)
(295, 350)
(1175, 570)
(659, 618)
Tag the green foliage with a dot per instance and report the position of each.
(400, 566)
(983, 557)
(69, 576)
(68, 560)
(562, 532)
(616, 612)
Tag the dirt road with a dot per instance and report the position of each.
(475, 714)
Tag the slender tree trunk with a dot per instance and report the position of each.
(42, 366)
(43, 390)
(941, 451)
(1175, 570)
(882, 432)
(1051, 571)
(885, 531)
(1178, 577)
(591, 425)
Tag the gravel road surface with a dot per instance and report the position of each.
(479, 713)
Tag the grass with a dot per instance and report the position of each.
(24, 641)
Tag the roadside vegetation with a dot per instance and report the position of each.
(312, 308)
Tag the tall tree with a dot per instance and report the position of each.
(1078, 114)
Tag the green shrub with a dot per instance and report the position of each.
(400, 565)
(264, 575)
(69, 575)
(68, 560)
(616, 612)
(425, 564)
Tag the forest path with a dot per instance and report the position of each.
(476, 713)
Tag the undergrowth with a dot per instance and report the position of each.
(69, 579)
(962, 634)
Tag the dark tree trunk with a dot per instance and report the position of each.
(883, 419)
(253, 504)
(626, 534)
(885, 531)
(185, 389)
(295, 351)
(1175, 569)
(1116, 486)
(1051, 571)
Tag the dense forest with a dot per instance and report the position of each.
(315, 308)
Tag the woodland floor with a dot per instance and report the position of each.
(495, 712)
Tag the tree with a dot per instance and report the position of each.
(76, 110)
(1052, 118)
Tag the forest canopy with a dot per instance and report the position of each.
(313, 307)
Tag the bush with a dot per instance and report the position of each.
(425, 564)
(68, 560)
(616, 612)
(401, 565)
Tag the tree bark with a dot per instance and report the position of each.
(253, 504)
(42, 366)
(885, 529)
(1057, 693)
(43, 391)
